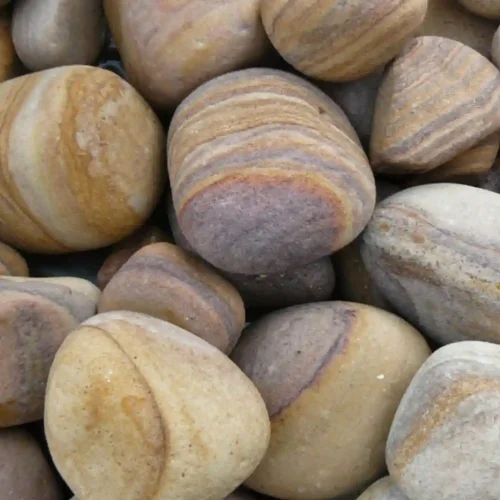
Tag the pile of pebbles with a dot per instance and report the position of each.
(249, 249)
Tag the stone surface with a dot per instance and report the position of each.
(443, 441)
(332, 375)
(340, 41)
(266, 172)
(204, 40)
(56, 33)
(169, 283)
(36, 315)
(24, 472)
(433, 252)
(438, 100)
(164, 414)
(89, 130)
(383, 489)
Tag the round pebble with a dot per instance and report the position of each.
(442, 443)
(266, 172)
(332, 375)
(383, 489)
(163, 413)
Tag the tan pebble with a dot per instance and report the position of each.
(9, 62)
(443, 442)
(125, 249)
(489, 9)
(204, 40)
(36, 315)
(340, 41)
(267, 173)
(57, 32)
(354, 282)
(433, 252)
(438, 99)
(139, 408)
(24, 472)
(383, 489)
(167, 282)
(90, 130)
(447, 18)
(12, 263)
(332, 375)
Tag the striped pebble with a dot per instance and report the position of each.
(443, 443)
(266, 173)
(340, 41)
(36, 315)
(383, 489)
(438, 99)
(489, 9)
(167, 282)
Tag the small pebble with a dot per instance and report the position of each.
(383, 489)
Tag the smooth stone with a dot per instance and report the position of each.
(184, 421)
(270, 186)
(123, 250)
(433, 252)
(340, 41)
(102, 143)
(52, 33)
(332, 375)
(447, 18)
(354, 282)
(12, 263)
(489, 9)
(36, 315)
(383, 489)
(437, 100)
(443, 441)
(167, 282)
(24, 472)
(204, 40)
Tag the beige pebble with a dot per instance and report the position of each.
(53, 33)
(169, 283)
(383, 489)
(36, 315)
(443, 442)
(90, 130)
(332, 375)
(489, 9)
(12, 263)
(340, 41)
(203, 40)
(139, 408)
(433, 252)
(24, 472)
(437, 100)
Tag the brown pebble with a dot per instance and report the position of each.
(340, 41)
(9, 62)
(12, 263)
(36, 315)
(437, 100)
(383, 489)
(267, 174)
(332, 375)
(125, 249)
(24, 471)
(443, 442)
(433, 252)
(167, 282)
(138, 408)
(204, 40)
(489, 9)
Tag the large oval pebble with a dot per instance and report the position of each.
(433, 252)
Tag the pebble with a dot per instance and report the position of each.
(443, 442)
(12, 263)
(332, 375)
(266, 172)
(383, 489)
(489, 9)
(433, 252)
(131, 386)
(91, 129)
(204, 40)
(36, 315)
(52, 33)
(165, 281)
(9, 60)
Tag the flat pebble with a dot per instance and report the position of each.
(332, 375)
(443, 442)
(184, 421)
